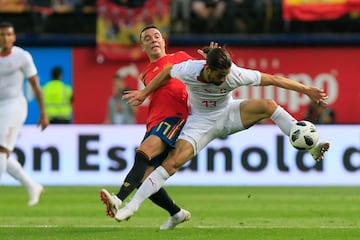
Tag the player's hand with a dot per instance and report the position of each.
(318, 95)
(43, 121)
(203, 52)
(134, 97)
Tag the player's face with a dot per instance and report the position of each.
(152, 43)
(7, 38)
(218, 76)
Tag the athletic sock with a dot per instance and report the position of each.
(163, 200)
(3, 163)
(135, 175)
(151, 185)
(15, 169)
(283, 120)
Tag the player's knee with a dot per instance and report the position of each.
(270, 106)
(151, 149)
(171, 166)
(270, 103)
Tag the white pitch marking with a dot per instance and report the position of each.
(201, 227)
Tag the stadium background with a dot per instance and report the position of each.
(322, 51)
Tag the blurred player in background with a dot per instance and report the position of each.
(168, 110)
(15, 65)
(118, 111)
(319, 114)
(214, 113)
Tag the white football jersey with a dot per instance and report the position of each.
(13, 69)
(207, 97)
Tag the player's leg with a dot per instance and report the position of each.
(34, 189)
(12, 118)
(153, 145)
(163, 200)
(3, 161)
(182, 153)
(198, 131)
(285, 122)
(159, 140)
(254, 110)
(6, 116)
(177, 214)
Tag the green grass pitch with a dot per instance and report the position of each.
(264, 213)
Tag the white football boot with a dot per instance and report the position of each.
(318, 151)
(111, 201)
(180, 217)
(126, 212)
(34, 191)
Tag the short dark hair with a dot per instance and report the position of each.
(6, 25)
(218, 58)
(56, 73)
(146, 28)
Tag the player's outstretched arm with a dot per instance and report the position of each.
(137, 97)
(315, 94)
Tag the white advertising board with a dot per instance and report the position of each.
(260, 156)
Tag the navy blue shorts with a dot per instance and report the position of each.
(168, 131)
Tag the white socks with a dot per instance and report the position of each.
(283, 120)
(151, 185)
(3, 163)
(15, 169)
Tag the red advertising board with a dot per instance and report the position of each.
(331, 68)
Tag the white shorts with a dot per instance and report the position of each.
(13, 113)
(201, 129)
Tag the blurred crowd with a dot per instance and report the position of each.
(50, 16)
(61, 6)
(187, 17)
(249, 17)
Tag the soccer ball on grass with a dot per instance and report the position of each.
(303, 135)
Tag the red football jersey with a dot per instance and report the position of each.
(171, 99)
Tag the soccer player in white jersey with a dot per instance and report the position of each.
(214, 113)
(15, 65)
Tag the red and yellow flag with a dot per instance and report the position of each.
(312, 10)
(118, 27)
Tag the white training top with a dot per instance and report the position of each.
(207, 97)
(13, 69)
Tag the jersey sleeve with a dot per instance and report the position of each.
(29, 67)
(177, 70)
(242, 77)
(185, 71)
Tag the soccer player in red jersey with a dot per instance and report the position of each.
(168, 110)
(171, 99)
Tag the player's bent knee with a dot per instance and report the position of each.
(270, 105)
(171, 167)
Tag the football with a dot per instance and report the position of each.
(303, 135)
